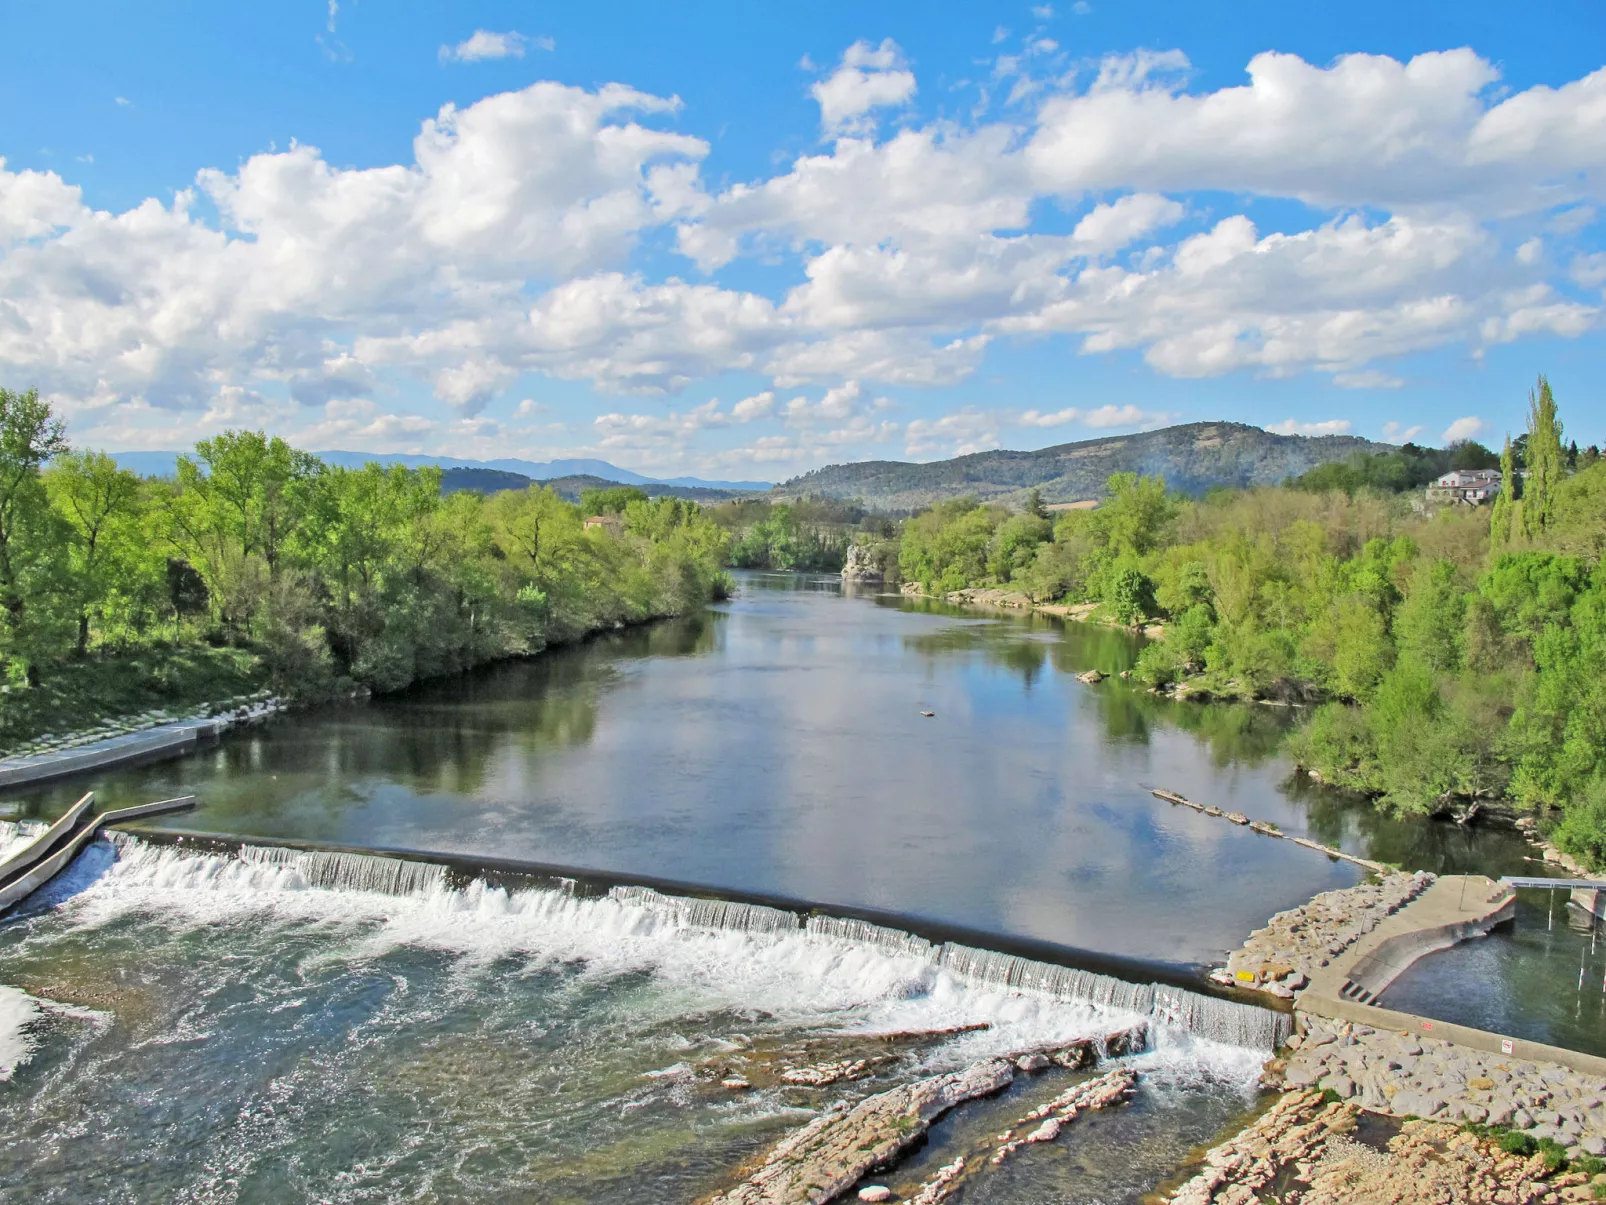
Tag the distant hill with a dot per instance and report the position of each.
(161, 464)
(492, 481)
(1192, 458)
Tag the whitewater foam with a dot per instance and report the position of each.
(844, 973)
(18, 1011)
(16, 834)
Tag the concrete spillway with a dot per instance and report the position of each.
(31, 867)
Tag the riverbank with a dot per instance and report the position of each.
(149, 736)
(1310, 1149)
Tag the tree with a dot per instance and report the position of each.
(1505, 502)
(1544, 462)
(30, 435)
(96, 499)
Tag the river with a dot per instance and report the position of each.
(201, 1027)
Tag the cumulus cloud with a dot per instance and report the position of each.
(483, 44)
(1109, 415)
(868, 78)
(1449, 211)
(1469, 427)
(1293, 426)
(957, 434)
(1366, 130)
(1398, 433)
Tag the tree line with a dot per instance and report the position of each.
(1449, 655)
(332, 578)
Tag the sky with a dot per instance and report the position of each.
(744, 241)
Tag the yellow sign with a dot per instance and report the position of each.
(1246, 976)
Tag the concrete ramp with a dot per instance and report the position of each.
(54, 850)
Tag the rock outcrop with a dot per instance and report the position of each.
(1305, 1152)
(821, 1161)
(1416, 1076)
(861, 566)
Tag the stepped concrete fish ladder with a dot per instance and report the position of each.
(1173, 997)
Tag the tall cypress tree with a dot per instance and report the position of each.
(1500, 520)
(1544, 462)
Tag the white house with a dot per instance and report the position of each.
(1472, 486)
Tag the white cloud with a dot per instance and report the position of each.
(1367, 130)
(1469, 427)
(1057, 418)
(1109, 227)
(957, 434)
(1397, 433)
(1043, 12)
(760, 405)
(1370, 378)
(869, 77)
(1082, 8)
(122, 100)
(1589, 270)
(1125, 416)
(1293, 426)
(1531, 252)
(484, 44)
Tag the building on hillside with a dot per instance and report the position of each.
(1471, 486)
(612, 524)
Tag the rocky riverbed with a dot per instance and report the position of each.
(822, 1160)
(1405, 1075)
(1281, 957)
(1308, 1150)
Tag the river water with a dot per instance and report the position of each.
(193, 1026)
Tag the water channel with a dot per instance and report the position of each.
(189, 1026)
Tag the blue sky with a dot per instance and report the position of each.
(744, 241)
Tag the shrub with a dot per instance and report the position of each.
(1515, 1142)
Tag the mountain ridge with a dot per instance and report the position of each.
(1192, 457)
(161, 464)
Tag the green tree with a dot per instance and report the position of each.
(1504, 504)
(1430, 625)
(30, 435)
(1544, 462)
(101, 505)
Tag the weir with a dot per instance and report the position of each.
(1174, 1005)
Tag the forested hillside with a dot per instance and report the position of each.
(260, 564)
(1455, 656)
(1190, 459)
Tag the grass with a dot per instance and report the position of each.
(80, 694)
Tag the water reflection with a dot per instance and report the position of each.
(776, 743)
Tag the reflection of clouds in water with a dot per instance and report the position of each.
(776, 744)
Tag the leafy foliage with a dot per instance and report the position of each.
(1454, 658)
(324, 578)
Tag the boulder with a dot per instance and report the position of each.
(860, 566)
(875, 1192)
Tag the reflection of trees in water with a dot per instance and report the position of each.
(443, 734)
(1414, 842)
(1234, 733)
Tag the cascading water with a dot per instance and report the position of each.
(860, 932)
(1217, 1020)
(340, 871)
(14, 834)
(518, 1024)
(729, 915)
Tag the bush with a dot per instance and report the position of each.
(1554, 1154)
(1515, 1142)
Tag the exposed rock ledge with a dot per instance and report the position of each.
(1408, 1075)
(825, 1158)
(1304, 1152)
